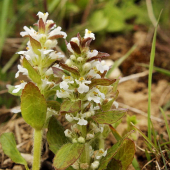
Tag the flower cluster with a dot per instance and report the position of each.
(83, 80)
(85, 94)
(41, 53)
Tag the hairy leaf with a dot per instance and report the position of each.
(67, 155)
(69, 69)
(55, 135)
(58, 71)
(70, 107)
(126, 153)
(35, 45)
(53, 105)
(102, 82)
(114, 165)
(117, 150)
(109, 117)
(33, 106)
(8, 143)
(35, 77)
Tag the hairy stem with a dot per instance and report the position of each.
(37, 149)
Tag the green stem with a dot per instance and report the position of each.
(101, 142)
(37, 149)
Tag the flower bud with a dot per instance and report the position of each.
(73, 57)
(88, 114)
(74, 140)
(81, 139)
(89, 136)
(87, 66)
(95, 165)
(80, 59)
(75, 165)
(84, 166)
(69, 62)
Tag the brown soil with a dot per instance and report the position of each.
(133, 94)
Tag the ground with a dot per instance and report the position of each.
(133, 94)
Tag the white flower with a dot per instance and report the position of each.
(21, 70)
(69, 48)
(80, 117)
(62, 93)
(91, 54)
(64, 84)
(116, 104)
(43, 16)
(57, 31)
(82, 87)
(69, 117)
(89, 34)
(95, 165)
(95, 95)
(68, 133)
(101, 66)
(19, 87)
(82, 121)
(93, 73)
(51, 112)
(30, 32)
(101, 153)
(49, 72)
(55, 56)
(16, 109)
(46, 83)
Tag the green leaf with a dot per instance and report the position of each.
(115, 23)
(70, 107)
(67, 155)
(109, 117)
(33, 106)
(108, 105)
(55, 135)
(11, 88)
(35, 46)
(126, 153)
(124, 148)
(53, 105)
(35, 77)
(102, 82)
(98, 21)
(114, 165)
(8, 143)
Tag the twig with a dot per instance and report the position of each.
(134, 76)
(140, 112)
(87, 11)
(3, 91)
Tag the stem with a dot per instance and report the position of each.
(37, 149)
(101, 142)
